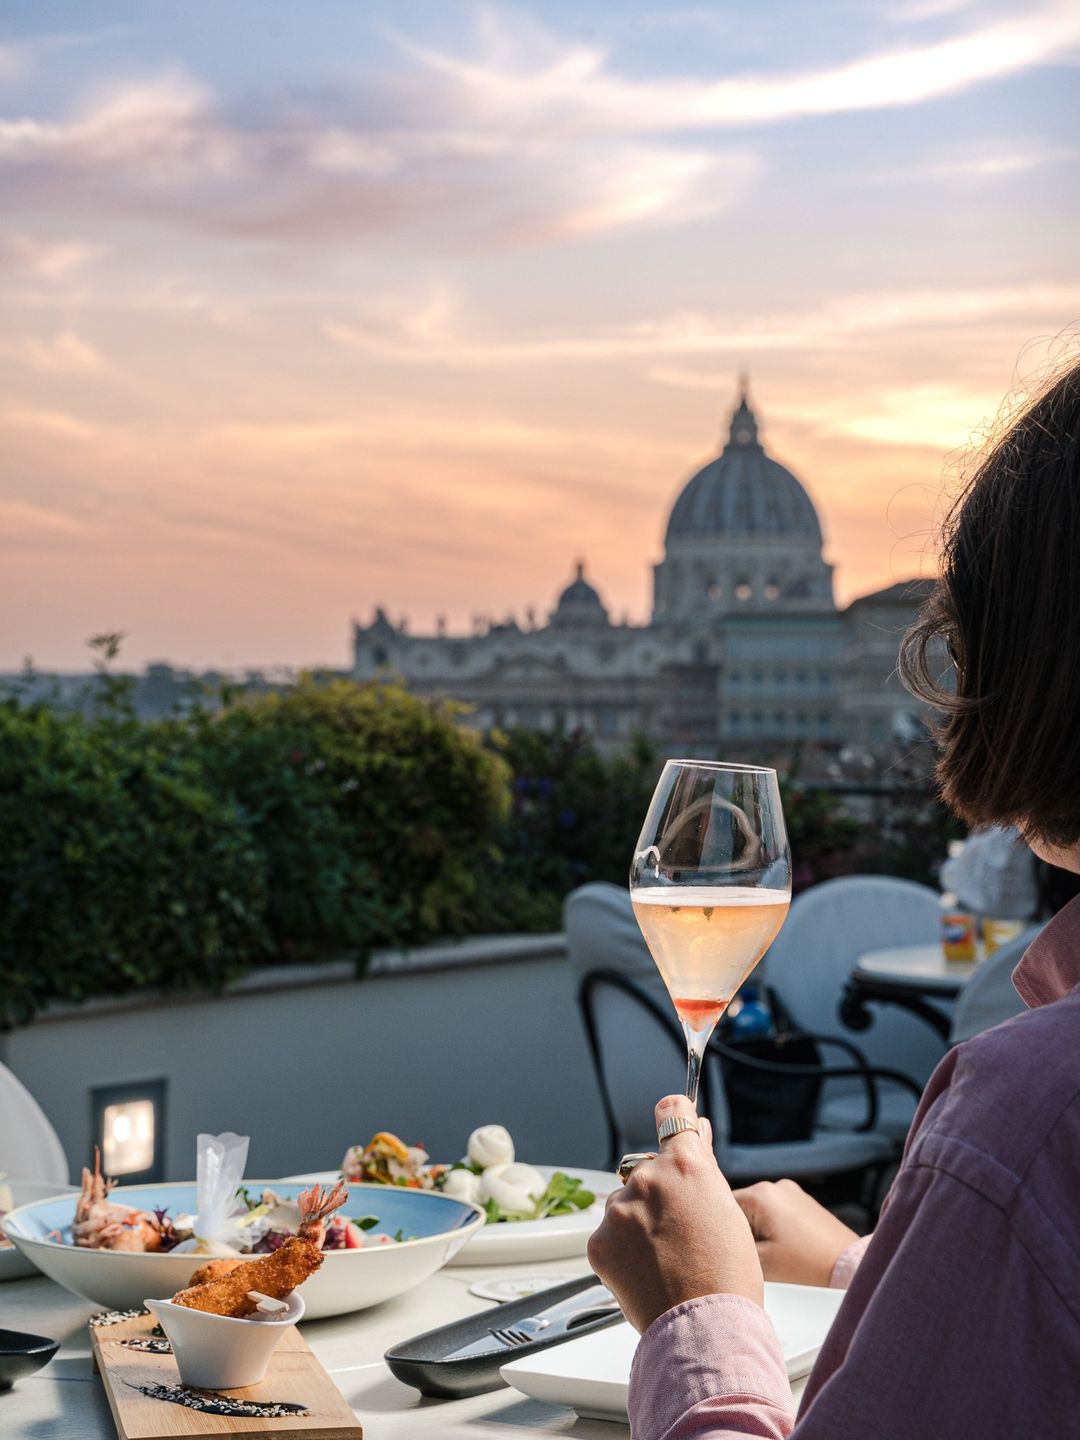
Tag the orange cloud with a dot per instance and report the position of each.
(65, 354)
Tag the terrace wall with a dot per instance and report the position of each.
(309, 1060)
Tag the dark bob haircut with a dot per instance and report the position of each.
(1007, 611)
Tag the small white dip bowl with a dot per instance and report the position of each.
(218, 1352)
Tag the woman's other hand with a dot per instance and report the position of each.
(798, 1241)
(674, 1231)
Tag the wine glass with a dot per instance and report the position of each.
(710, 884)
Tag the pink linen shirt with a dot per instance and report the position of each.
(962, 1312)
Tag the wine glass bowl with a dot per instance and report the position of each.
(710, 884)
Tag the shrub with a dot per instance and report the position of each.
(866, 831)
(904, 834)
(324, 818)
(119, 867)
(281, 827)
(577, 813)
(374, 810)
(575, 817)
(821, 834)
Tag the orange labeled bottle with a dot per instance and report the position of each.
(958, 935)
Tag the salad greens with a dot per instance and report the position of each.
(504, 1188)
(564, 1195)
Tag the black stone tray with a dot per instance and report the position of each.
(421, 1362)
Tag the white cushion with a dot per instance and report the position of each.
(829, 927)
(990, 997)
(896, 1110)
(825, 1154)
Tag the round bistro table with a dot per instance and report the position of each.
(66, 1400)
(910, 976)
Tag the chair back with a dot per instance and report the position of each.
(29, 1146)
(827, 929)
(990, 997)
(639, 1055)
(602, 934)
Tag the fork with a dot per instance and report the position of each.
(513, 1336)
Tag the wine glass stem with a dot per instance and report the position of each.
(696, 1041)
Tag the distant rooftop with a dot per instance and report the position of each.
(904, 592)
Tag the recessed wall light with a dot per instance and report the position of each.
(128, 1124)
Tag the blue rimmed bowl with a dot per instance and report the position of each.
(14, 1266)
(435, 1227)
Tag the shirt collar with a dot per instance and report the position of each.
(1050, 966)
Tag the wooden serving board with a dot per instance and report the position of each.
(295, 1376)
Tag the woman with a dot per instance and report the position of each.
(962, 1316)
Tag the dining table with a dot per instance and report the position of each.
(66, 1399)
(909, 976)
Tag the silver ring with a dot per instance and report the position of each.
(629, 1163)
(674, 1125)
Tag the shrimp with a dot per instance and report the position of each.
(93, 1213)
(101, 1225)
(316, 1207)
(222, 1291)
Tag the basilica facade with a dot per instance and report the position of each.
(746, 652)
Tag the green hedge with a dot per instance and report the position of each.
(576, 815)
(119, 866)
(282, 827)
(327, 818)
(375, 811)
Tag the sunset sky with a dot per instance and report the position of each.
(307, 307)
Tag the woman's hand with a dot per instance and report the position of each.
(674, 1232)
(797, 1239)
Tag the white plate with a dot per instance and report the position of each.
(505, 1288)
(13, 1264)
(518, 1242)
(348, 1279)
(592, 1374)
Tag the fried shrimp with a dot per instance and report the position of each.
(276, 1275)
(213, 1270)
(224, 1286)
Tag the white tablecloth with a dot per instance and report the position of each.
(65, 1401)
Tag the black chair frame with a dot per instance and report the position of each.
(860, 1067)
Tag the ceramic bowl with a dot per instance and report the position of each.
(348, 1280)
(217, 1352)
(525, 1242)
(13, 1264)
(21, 1355)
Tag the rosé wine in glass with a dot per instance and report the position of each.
(705, 942)
(710, 884)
